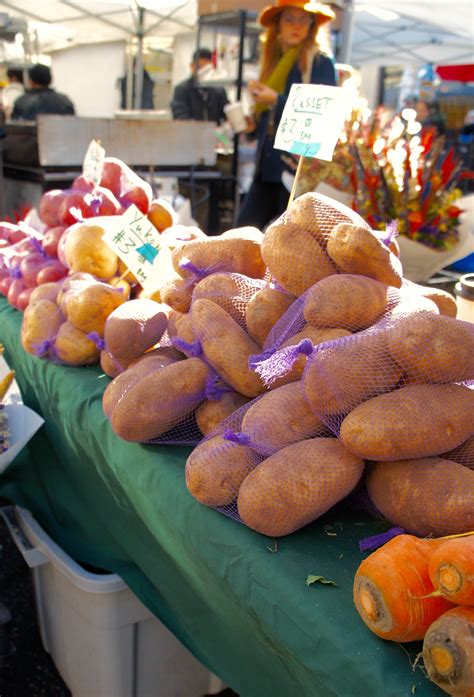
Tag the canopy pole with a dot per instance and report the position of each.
(139, 59)
(347, 31)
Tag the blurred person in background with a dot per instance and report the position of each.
(290, 55)
(196, 102)
(429, 115)
(12, 91)
(41, 98)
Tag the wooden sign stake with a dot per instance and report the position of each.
(295, 182)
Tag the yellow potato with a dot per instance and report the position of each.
(294, 258)
(160, 401)
(226, 346)
(47, 291)
(216, 469)
(346, 300)
(85, 251)
(109, 365)
(88, 308)
(433, 348)
(70, 285)
(357, 250)
(212, 412)
(411, 422)
(297, 485)
(264, 309)
(74, 347)
(338, 378)
(279, 418)
(41, 322)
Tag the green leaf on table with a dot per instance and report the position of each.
(319, 579)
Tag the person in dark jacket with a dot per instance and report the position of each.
(289, 56)
(192, 101)
(41, 98)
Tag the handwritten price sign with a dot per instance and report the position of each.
(93, 163)
(138, 244)
(312, 120)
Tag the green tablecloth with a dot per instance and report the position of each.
(239, 602)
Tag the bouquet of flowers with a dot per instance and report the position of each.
(394, 171)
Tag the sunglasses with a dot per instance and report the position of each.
(296, 20)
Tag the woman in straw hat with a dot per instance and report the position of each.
(290, 55)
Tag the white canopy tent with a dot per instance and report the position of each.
(402, 32)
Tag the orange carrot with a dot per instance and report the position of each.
(391, 588)
(448, 651)
(452, 570)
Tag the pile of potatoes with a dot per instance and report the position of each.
(385, 389)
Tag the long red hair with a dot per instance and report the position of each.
(271, 51)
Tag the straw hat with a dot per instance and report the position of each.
(271, 12)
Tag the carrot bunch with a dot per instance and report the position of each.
(409, 589)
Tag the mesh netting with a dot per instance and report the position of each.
(318, 237)
(133, 328)
(231, 291)
(264, 467)
(236, 251)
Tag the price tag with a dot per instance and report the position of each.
(93, 163)
(312, 120)
(137, 242)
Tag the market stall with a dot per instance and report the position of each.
(238, 600)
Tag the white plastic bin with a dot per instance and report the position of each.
(102, 639)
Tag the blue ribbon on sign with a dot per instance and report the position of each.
(305, 149)
(148, 252)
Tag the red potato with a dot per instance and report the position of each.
(16, 287)
(82, 204)
(4, 243)
(51, 239)
(5, 284)
(23, 299)
(25, 245)
(61, 246)
(16, 236)
(80, 184)
(49, 206)
(30, 266)
(126, 185)
(53, 271)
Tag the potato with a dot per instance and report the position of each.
(279, 418)
(236, 254)
(180, 326)
(444, 301)
(316, 336)
(216, 469)
(463, 454)
(231, 291)
(86, 251)
(264, 309)
(160, 400)
(177, 293)
(433, 348)
(297, 485)
(341, 376)
(430, 496)
(212, 412)
(318, 214)
(109, 365)
(73, 347)
(41, 322)
(133, 328)
(87, 308)
(410, 422)
(357, 250)
(294, 258)
(247, 232)
(226, 346)
(47, 291)
(123, 382)
(71, 285)
(347, 301)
